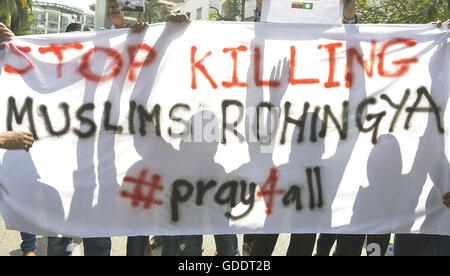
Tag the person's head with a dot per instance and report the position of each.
(73, 27)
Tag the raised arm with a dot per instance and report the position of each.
(349, 11)
(115, 15)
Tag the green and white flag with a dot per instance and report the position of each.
(308, 11)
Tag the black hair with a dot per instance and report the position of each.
(73, 27)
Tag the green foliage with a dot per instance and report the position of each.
(232, 9)
(16, 14)
(155, 11)
(214, 16)
(8, 8)
(402, 11)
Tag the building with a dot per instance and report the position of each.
(201, 9)
(54, 18)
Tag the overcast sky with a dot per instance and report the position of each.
(84, 4)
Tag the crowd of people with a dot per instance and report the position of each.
(227, 245)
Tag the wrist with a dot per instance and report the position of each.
(119, 26)
(351, 20)
(257, 13)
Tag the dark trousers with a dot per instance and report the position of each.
(380, 240)
(185, 246)
(352, 245)
(136, 245)
(300, 244)
(226, 245)
(324, 244)
(28, 242)
(421, 245)
(92, 246)
(249, 238)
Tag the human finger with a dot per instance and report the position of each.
(114, 12)
(27, 147)
(171, 18)
(143, 26)
(6, 37)
(7, 33)
(447, 202)
(29, 139)
(27, 144)
(4, 31)
(177, 18)
(139, 27)
(184, 18)
(446, 198)
(136, 27)
(113, 7)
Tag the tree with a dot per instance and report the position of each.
(155, 11)
(231, 11)
(215, 15)
(8, 8)
(92, 6)
(402, 11)
(16, 15)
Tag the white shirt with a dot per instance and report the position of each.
(302, 11)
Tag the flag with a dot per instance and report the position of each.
(302, 5)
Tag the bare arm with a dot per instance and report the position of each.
(259, 7)
(349, 9)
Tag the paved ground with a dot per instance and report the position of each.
(10, 244)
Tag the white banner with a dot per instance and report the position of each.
(213, 127)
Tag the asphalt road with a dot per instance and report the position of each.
(10, 245)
